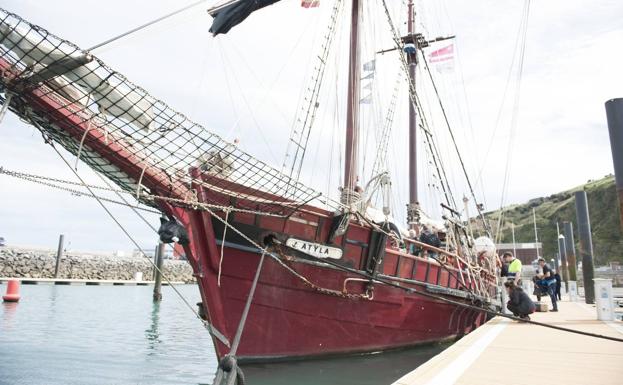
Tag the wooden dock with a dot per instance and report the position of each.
(82, 282)
(512, 353)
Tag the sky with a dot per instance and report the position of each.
(247, 85)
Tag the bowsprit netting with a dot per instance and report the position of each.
(121, 131)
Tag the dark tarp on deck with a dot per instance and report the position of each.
(231, 15)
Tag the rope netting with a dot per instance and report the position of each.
(121, 131)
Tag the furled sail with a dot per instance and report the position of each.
(232, 13)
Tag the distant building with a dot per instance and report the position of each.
(526, 252)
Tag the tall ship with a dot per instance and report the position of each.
(284, 271)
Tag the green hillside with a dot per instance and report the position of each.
(603, 212)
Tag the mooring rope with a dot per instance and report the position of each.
(228, 363)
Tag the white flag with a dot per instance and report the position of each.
(442, 59)
(369, 66)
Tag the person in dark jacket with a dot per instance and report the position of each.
(548, 282)
(558, 284)
(519, 303)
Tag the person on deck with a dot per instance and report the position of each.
(558, 284)
(504, 269)
(430, 238)
(514, 268)
(519, 303)
(547, 280)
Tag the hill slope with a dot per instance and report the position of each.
(603, 212)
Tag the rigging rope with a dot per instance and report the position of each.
(381, 151)
(413, 92)
(145, 25)
(112, 216)
(299, 136)
(521, 41)
(220, 262)
(40, 180)
(458, 153)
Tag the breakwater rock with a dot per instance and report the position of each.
(16, 263)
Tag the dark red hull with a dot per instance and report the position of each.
(291, 320)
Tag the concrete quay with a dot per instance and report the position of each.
(513, 353)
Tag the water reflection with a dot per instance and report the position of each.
(8, 314)
(117, 335)
(152, 334)
(373, 369)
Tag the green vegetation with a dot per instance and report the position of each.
(603, 211)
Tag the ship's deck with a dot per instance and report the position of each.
(512, 353)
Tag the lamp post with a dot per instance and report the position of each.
(563, 259)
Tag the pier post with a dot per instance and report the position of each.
(614, 114)
(571, 262)
(153, 275)
(158, 279)
(586, 245)
(563, 261)
(59, 254)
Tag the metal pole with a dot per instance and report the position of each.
(514, 245)
(570, 250)
(158, 280)
(59, 254)
(614, 114)
(586, 245)
(563, 259)
(536, 236)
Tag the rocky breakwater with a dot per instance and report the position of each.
(16, 263)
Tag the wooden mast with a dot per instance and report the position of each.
(352, 113)
(412, 206)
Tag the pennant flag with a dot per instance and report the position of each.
(443, 58)
(369, 66)
(368, 76)
(310, 3)
(233, 12)
(366, 99)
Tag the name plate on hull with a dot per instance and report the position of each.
(319, 251)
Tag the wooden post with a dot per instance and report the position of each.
(59, 254)
(153, 275)
(158, 279)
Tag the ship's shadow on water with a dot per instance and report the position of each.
(380, 368)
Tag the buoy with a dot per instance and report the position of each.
(12, 291)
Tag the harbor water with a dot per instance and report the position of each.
(92, 335)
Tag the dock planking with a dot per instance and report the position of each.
(84, 282)
(513, 353)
